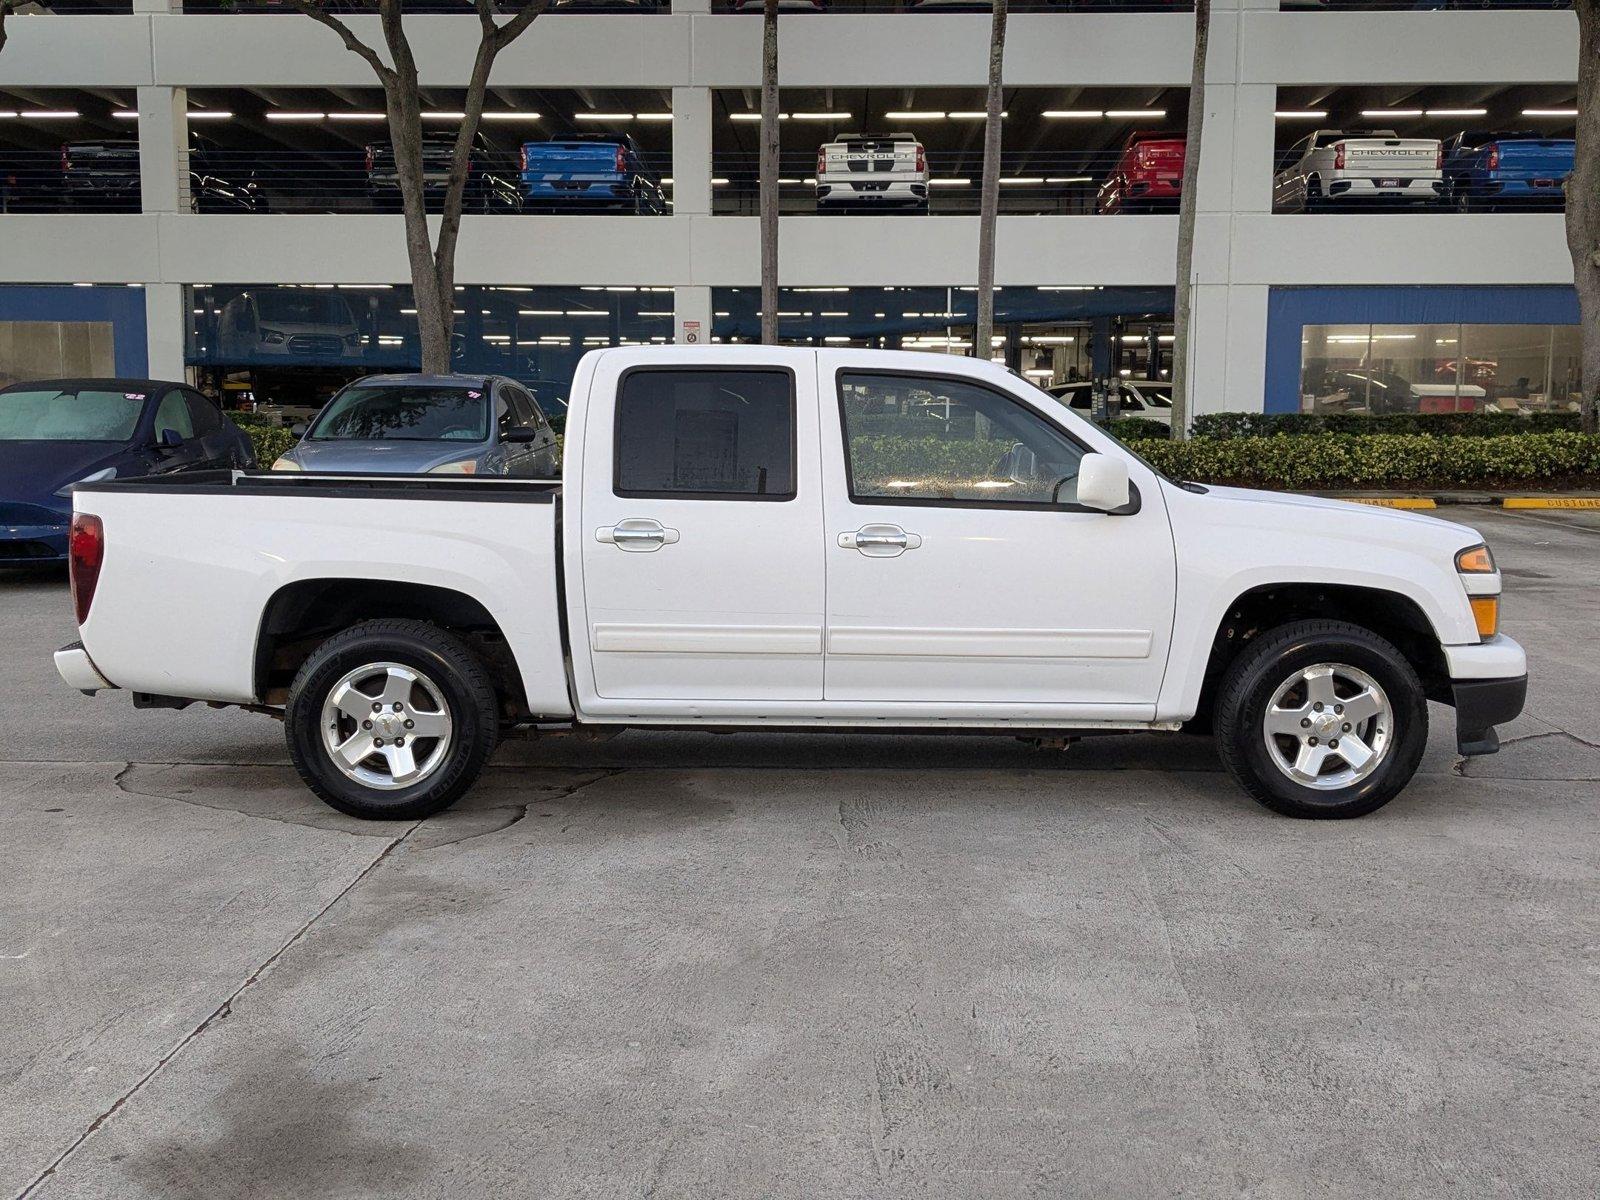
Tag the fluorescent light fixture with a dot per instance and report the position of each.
(949, 183)
(296, 116)
(1136, 114)
(1301, 114)
(1069, 179)
(50, 114)
(358, 116)
(602, 116)
(587, 312)
(121, 114)
(1023, 180)
(789, 181)
(820, 116)
(539, 312)
(753, 116)
(512, 116)
(1549, 112)
(444, 116)
(210, 114)
(914, 116)
(719, 182)
(1391, 112)
(652, 116)
(837, 340)
(1458, 112)
(1073, 114)
(1050, 340)
(1036, 373)
(974, 115)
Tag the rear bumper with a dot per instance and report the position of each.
(1366, 188)
(1488, 685)
(845, 191)
(77, 670)
(28, 544)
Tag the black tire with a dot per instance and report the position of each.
(457, 674)
(1248, 687)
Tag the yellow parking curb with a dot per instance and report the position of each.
(1551, 502)
(1396, 501)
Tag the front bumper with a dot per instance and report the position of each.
(77, 670)
(1488, 685)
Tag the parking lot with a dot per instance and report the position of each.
(767, 965)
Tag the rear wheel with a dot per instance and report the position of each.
(1321, 719)
(391, 720)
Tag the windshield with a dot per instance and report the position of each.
(410, 414)
(51, 415)
(304, 308)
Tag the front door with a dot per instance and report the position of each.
(960, 569)
(702, 537)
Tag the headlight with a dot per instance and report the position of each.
(466, 467)
(285, 463)
(1475, 560)
(95, 477)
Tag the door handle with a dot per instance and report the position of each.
(637, 534)
(880, 541)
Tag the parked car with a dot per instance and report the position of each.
(763, 536)
(1336, 166)
(872, 171)
(57, 433)
(283, 322)
(1149, 399)
(104, 174)
(1484, 169)
(491, 183)
(1148, 175)
(589, 170)
(421, 424)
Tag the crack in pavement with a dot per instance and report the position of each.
(219, 1013)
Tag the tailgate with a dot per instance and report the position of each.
(557, 161)
(1535, 160)
(870, 159)
(1391, 156)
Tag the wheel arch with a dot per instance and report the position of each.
(301, 615)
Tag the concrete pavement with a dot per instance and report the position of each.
(766, 965)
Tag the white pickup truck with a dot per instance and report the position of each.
(781, 538)
(1335, 166)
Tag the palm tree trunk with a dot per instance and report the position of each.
(1583, 207)
(1182, 300)
(989, 201)
(769, 172)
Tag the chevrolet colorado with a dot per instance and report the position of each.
(761, 537)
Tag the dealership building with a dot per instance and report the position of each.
(251, 214)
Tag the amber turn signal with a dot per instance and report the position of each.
(1475, 560)
(1486, 612)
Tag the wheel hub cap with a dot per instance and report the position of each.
(1328, 726)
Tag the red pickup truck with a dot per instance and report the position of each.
(1148, 175)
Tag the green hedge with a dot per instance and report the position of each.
(1478, 424)
(269, 440)
(1329, 461)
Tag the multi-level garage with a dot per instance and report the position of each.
(174, 182)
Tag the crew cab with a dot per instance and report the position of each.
(1148, 175)
(1336, 166)
(589, 170)
(103, 174)
(1484, 169)
(490, 187)
(872, 170)
(759, 537)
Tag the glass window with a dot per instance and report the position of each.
(1523, 368)
(706, 433)
(48, 415)
(926, 439)
(174, 415)
(203, 415)
(409, 414)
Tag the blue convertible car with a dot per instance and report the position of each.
(67, 431)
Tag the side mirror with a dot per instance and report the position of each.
(520, 433)
(170, 439)
(1102, 482)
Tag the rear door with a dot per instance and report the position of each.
(700, 524)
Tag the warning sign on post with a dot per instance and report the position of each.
(689, 332)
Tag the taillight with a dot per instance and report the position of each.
(372, 157)
(66, 159)
(1338, 156)
(522, 159)
(922, 159)
(86, 549)
(622, 160)
(1494, 157)
(822, 161)
(1438, 158)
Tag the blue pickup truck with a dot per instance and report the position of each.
(1485, 168)
(589, 170)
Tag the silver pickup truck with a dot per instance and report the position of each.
(1338, 166)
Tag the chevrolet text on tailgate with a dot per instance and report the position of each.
(759, 537)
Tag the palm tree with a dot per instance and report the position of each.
(433, 264)
(989, 201)
(1182, 300)
(769, 172)
(1583, 206)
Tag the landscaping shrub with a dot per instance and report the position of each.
(1406, 462)
(1477, 424)
(269, 440)
(1137, 429)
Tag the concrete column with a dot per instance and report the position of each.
(166, 319)
(691, 324)
(164, 148)
(691, 151)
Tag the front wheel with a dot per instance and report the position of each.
(391, 720)
(1321, 719)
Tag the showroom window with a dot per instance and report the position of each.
(1373, 370)
(926, 439)
(685, 434)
